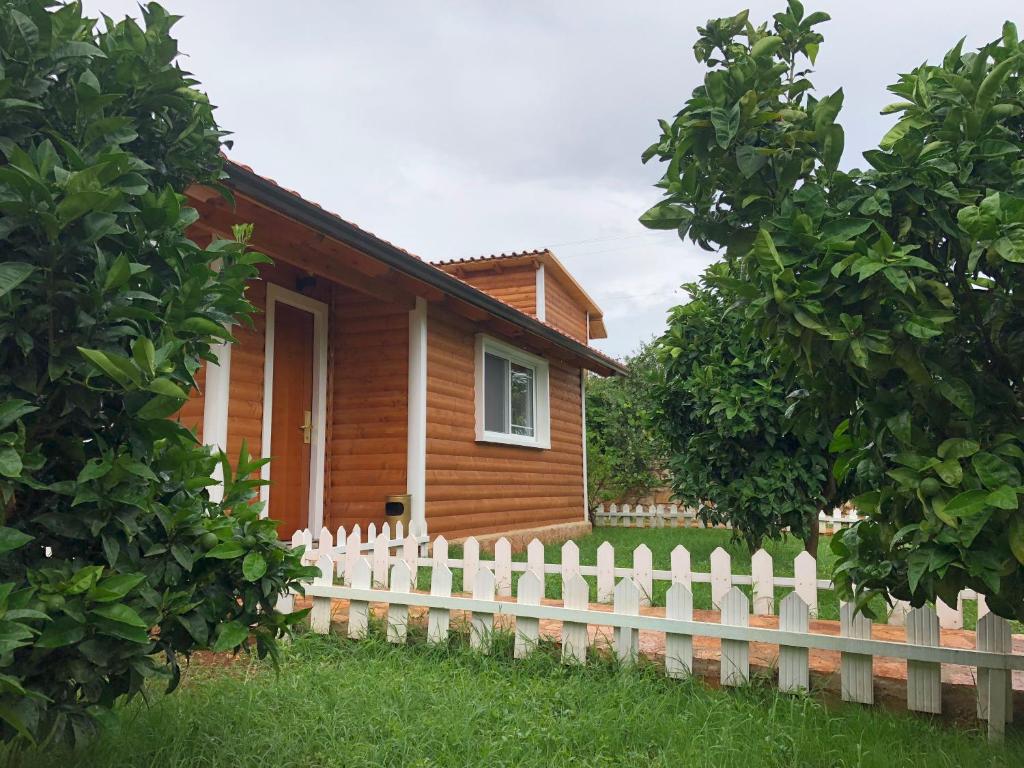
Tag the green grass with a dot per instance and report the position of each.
(341, 703)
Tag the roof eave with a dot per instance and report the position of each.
(253, 185)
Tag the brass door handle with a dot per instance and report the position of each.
(307, 427)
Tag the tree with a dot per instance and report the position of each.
(626, 452)
(737, 453)
(894, 293)
(114, 561)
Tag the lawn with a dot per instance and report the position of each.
(342, 703)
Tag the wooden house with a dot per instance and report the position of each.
(371, 373)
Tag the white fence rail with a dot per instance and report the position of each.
(993, 658)
(675, 516)
(762, 579)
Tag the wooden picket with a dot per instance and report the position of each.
(530, 590)
(605, 572)
(721, 576)
(679, 647)
(924, 681)
(574, 635)
(481, 625)
(359, 610)
(503, 567)
(735, 657)
(993, 635)
(794, 665)
(627, 603)
(470, 563)
(570, 561)
(438, 619)
(398, 614)
(761, 574)
(855, 669)
(643, 573)
(320, 614)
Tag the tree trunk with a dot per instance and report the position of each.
(811, 539)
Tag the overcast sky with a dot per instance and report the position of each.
(458, 129)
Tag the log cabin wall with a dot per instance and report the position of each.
(561, 309)
(368, 408)
(479, 488)
(514, 284)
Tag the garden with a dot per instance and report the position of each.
(859, 341)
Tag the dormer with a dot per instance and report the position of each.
(535, 282)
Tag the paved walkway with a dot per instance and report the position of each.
(890, 674)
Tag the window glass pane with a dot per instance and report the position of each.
(495, 393)
(522, 400)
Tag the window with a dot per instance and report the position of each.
(512, 395)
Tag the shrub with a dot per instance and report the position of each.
(114, 561)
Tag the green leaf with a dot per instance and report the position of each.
(230, 636)
(254, 566)
(166, 387)
(950, 471)
(103, 362)
(204, 326)
(959, 394)
(1016, 537)
(1003, 497)
(227, 550)
(766, 46)
(121, 614)
(10, 462)
(94, 469)
(957, 448)
(115, 587)
(666, 216)
(12, 538)
(13, 274)
(843, 230)
(144, 354)
(994, 471)
(726, 123)
(62, 631)
(750, 161)
(12, 410)
(118, 274)
(967, 503)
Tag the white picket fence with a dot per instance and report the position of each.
(761, 579)
(674, 516)
(993, 657)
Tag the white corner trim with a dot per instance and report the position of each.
(540, 294)
(216, 398)
(541, 394)
(583, 413)
(276, 294)
(416, 459)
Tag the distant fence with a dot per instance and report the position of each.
(761, 579)
(993, 657)
(675, 516)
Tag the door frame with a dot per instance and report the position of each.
(318, 440)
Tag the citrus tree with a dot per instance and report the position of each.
(626, 449)
(894, 292)
(738, 452)
(114, 561)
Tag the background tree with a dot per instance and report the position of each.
(626, 451)
(736, 452)
(114, 562)
(895, 292)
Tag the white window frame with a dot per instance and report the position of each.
(541, 437)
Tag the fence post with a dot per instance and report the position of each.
(681, 572)
(924, 683)
(855, 668)
(627, 603)
(605, 572)
(763, 581)
(574, 636)
(359, 610)
(326, 541)
(503, 567)
(470, 563)
(735, 664)
(805, 572)
(529, 591)
(439, 619)
(721, 576)
(398, 613)
(439, 553)
(995, 696)
(340, 536)
(320, 615)
(643, 573)
(794, 669)
(481, 625)
(534, 560)
(371, 533)
(950, 617)
(679, 648)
